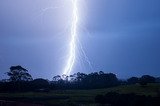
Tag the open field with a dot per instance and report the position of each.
(74, 97)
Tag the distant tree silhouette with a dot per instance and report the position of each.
(133, 80)
(40, 85)
(72, 77)
(157, 80)
(18, 73)
(57, 78)
(65, 78)
(101, 72)
(20, 80)
(86, 81)
(80, 76)
(147, 79)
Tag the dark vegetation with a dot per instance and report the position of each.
(20, 80)
(116, 99)
(22, 87)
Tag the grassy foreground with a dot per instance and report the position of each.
(78, 97)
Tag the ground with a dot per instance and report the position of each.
(81, 97)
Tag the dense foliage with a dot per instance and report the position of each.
(18, 73)
(20, 80)
(85, 81)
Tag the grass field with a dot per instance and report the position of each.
(81, 97)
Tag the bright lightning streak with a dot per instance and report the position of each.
(72, 49)
(76, 51)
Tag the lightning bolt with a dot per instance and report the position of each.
(75, 45)
(72, 49)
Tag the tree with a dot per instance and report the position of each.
(18, 73)
(80, 77)
(101, 72)
(133, 80)
(57, 78)
(40, 83)
(147, 79)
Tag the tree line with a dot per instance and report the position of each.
(20, 80)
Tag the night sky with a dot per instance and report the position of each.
(118, 36)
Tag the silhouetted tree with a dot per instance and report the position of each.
(80, 77)
(85, 81)
(101, 72)
(72, 77)
(146, 79)
(18, 73)
(133, 80)
(157, 80)
(39, 84)
(57, 78)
